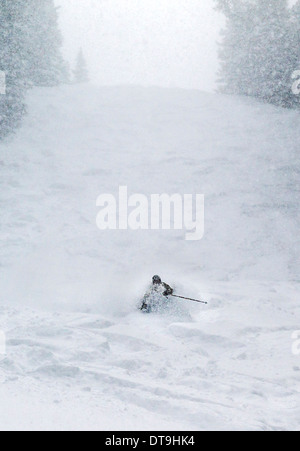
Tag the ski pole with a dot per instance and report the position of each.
(189, 299)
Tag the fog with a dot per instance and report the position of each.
(167, 43)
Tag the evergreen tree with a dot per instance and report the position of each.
(259, 51)
(275, 55)
(30, 55)
(81, 74)
(234, 52)
(13, 30)
(296, 29)
(296, 18)
(46, 66)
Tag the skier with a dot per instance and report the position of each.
(157, 296)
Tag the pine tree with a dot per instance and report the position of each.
(296, 18)
(275, 52)
(81, 74)
(46, 66)
(13, 29)
(259, 52)
(234, 51)
(30, 55)
(295, 76)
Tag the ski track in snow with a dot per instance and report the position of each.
(78, 354)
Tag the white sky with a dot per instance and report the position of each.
(146, 42)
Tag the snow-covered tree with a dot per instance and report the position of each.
(30, 54)
(234, 52)
(13, 29)
(46, 66)
(259, 51)
(81, 74)
(275, 51)
(295, 20)
(296, 15)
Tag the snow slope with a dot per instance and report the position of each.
(79, 356)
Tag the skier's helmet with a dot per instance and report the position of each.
(156, 280)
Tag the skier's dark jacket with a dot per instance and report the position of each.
(168, 290)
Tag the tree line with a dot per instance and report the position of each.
(260, 50)
(30, 55)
